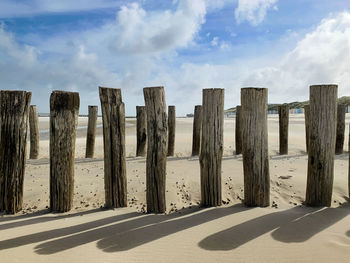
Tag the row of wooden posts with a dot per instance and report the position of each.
(157, 130)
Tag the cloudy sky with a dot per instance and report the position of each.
(183, 45)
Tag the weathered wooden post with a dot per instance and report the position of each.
(197, 127)
(212, 146)
(238, 133)
(307, 125)
(156, 149)
(255, 147)
(171, 130)
(14, 110)
(323, 121)
(34, 132)
(340, 129)
(64, 111)
(91, 131)
(113, 119)
(283, 112)
(141, 130)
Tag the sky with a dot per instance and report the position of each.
(183, 45)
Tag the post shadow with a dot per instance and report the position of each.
(130, 234)
(240, 234)
(60, 232)
(348, 233)
(35, 218)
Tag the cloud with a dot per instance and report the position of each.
(253, 11)
(139, 31)
(321, 57)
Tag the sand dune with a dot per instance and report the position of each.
(284, 232)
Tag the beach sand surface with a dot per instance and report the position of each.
(286, 231)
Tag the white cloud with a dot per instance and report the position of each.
(214, 42)
(253, 11)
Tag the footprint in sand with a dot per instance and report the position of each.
(285, 176)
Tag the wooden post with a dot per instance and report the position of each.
(238, 133)
(34, 132)
(113, 118)
(307, 125)
(171, 130)
(156, 149)
(197, 127)
(91, 132)
(340, 129)
(323, 121)
(14, 111)
(255, 147)
(64, 111)
(141, 130)
(212, 146)
(283, 112)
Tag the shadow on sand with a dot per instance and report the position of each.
(294, 225)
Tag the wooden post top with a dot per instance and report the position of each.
(64, 100)
(324, 85)
(110, 95)
(92, 106)
(156, 87)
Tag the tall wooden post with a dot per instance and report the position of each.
(14, 110)
(156, 149)
(64, 111)
(255, 147)
(141, 130)
(323, 121)
(113, 119)
(171, 130)
(197, 127)
(238, 133)
(212, 146)
(91, 131)
(339, 145)
(34, 132)
(307, 125)
(283, 112)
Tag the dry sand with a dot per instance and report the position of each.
(284, 232)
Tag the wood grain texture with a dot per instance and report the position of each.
(91, 131)
(238, 132)
(323, 121)
(64, 111)
(14, 114)
(156, 149)
(212, 146)
(283, 114)
(307, 125)
(34, 132)
(141, 130)
(171, 130)
(339, 143)
(197, 128)
(113, 119)
(255, 147)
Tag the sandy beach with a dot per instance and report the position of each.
(286, 231)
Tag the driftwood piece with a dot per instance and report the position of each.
(323, 121)
(64, 111)
(339, 143)
(171, 130)
(255, 147)
(91, 131)
(34, 132)
(141, 130)
(212, 146)
(238, 133)
(14, 112)
(113, 118)
(283, 113)
(197, 127)
(156, 149)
